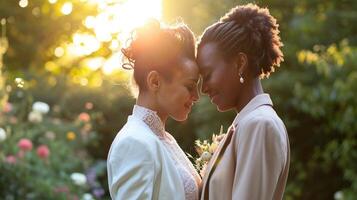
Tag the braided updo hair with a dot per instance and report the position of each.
(251, 30)
(154, 47)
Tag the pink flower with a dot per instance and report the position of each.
(89, 105)
(25, 144)
(84, 117)
(10, 159)
(7, 107)
(13, 120)
(43, 151)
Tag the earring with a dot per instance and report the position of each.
(241, 79)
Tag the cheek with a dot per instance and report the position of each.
(180, 97)
(228, 88)
(173, 99)
(222, 80)
(227, 79)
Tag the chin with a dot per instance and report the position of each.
(223, 108)
(181, 117)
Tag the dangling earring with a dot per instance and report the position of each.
(241, 79)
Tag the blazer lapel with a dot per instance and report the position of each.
(215, 160)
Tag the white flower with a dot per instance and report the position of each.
(50, 135)
(2, 135)
(206, 156)
(87, 196)
(79, 178)
(41, 107)
(338, 195)
(35, 117)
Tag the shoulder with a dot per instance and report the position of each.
(137, 131)
(262, 127)
(264, 123)
(263, 117)
(134, 139)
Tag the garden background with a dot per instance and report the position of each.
(64, 94)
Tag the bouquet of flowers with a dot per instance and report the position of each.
(205, 150)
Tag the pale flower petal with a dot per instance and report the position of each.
(41, 107)
(206, 156)
(35, 117)
(79, 178)
(2, 135)
(87, 196)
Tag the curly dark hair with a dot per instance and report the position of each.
(251, 30)
(154, 47)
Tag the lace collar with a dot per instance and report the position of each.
(151, 118)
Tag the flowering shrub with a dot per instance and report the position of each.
(43, 156)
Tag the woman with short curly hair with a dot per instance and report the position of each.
(252, 160)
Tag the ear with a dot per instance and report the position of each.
(153, 81)
(241, 62)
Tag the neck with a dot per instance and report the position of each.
(250, 89)
(148, 101)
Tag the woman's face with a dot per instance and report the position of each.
(220, 77)
(176, 96)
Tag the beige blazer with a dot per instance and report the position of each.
(252, 161)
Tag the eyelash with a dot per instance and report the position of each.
(189, 88)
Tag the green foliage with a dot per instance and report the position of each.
(29, 174)
(329, 145)
(313, 92)
(35, 31)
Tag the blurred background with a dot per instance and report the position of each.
(64, 94)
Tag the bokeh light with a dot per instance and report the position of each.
(23, 3)
(67, 8)
(113, 24)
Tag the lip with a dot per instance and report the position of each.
(212, 96)
(188, 105)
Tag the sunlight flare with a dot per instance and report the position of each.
(113, 24)
(113, 63)
(83, 44)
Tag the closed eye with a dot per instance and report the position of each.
(190, 87)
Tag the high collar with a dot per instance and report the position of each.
(150, 118)
(259, 100)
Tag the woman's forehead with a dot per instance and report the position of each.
(188, 69)
(207, 55)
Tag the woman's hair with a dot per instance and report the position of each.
(154, 47)
(251, 30)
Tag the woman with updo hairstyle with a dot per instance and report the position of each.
(145, 161)
(234, 54)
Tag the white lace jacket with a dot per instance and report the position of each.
(145, 162)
